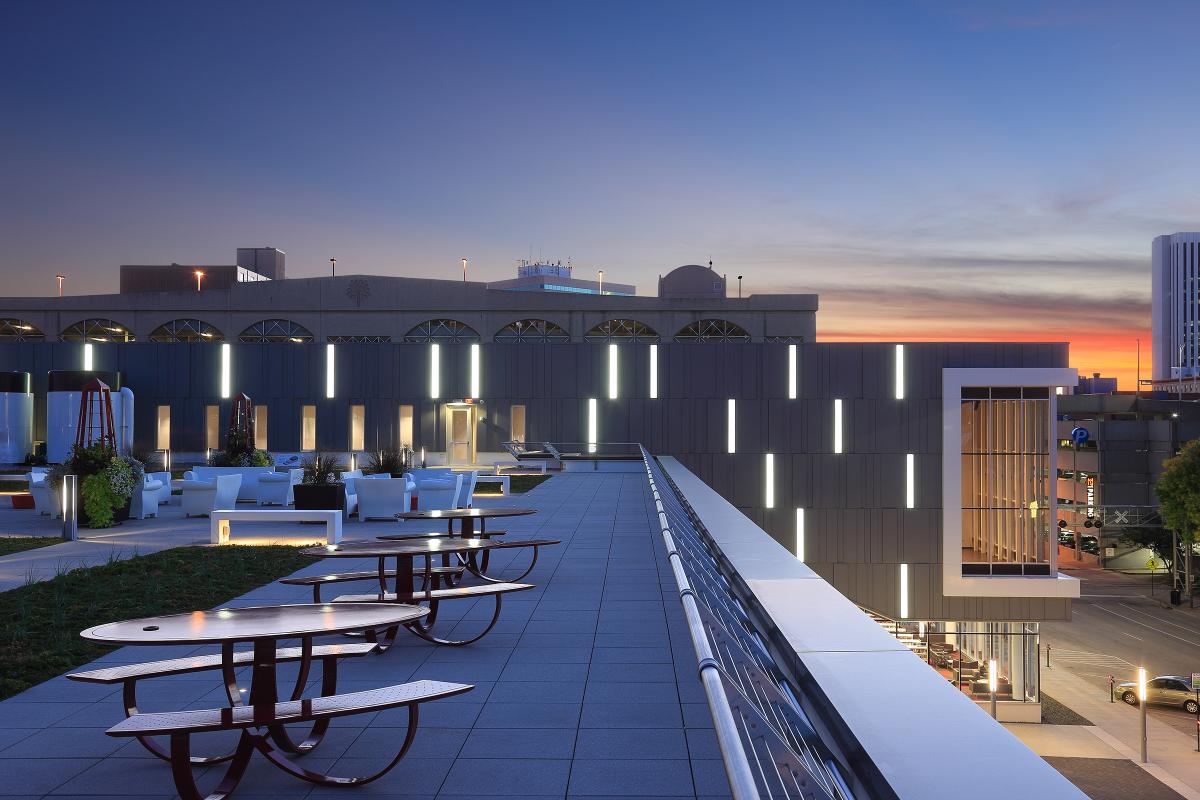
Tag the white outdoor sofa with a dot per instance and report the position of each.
(433, 494)
(144, 502)
(45, 500)
(204, 497)
(466, 490)
(248, 493)
(383, 498)
(276, 488)
(164, 492)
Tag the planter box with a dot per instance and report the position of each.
(22, 501)
(329, 497)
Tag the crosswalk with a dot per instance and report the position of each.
(1088, 662)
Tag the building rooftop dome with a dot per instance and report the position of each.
(691, 280)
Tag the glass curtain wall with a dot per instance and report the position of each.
(1006, 474)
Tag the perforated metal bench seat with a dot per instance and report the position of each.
(180, 666)
(317, 581)
(307, 710)
(400, 537)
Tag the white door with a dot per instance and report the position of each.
(461, 451)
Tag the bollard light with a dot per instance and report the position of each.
(1141, 681)
(70, 507)
(353, 461)
(992, 684)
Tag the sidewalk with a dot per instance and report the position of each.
(1173, 756)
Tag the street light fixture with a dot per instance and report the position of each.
(199, 277)
(333, 267)
(601, 274)
(464, 263)
(60, 279)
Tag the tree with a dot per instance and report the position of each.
(1179, 498)
(1157, 540)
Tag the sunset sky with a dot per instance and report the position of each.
(933, 170)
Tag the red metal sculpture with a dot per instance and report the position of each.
(96, 416)
(241, 417)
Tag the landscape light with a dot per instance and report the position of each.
(475, 373)
(87, 357)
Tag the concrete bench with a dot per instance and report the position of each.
(219, 521)
(500, 479)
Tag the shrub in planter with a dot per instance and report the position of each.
(107, 481)
(391, 462)
(320, 488)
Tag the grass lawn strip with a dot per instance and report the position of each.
(40, 622)
(18, 544)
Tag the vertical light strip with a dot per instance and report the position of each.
(837, 425)
(731, 427)
(910, 481)
(592, 425)
(799, 534)
(770, 480)
(435, 371)
(226, 371)
(793, 379)
(899, 372)
(330, 381)
(653, 372)
(87, 357)
(475, 374)
(904, 591)
(612, 371)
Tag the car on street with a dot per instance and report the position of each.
(1165, 690)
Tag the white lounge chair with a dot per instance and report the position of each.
(45, 500)
(144, 502)
(164, 494)
(203, 497)
(276, 488)
(467, 490)
(382, 498)
(438, 494)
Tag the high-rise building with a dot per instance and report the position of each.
(1175, 306)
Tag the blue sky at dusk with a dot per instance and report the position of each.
(933, 170)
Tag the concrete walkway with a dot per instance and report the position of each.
(587, 687)
(1173, 757)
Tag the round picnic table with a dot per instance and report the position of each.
(467, 517)
(263, 626)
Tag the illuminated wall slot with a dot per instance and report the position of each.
(899, 372)
(612, 372)
(406, 426)
(226, 371)
(358, 427)
(330, 375)
(793, 378)
(475, 372)
(592, 425)
(904, 591)
(87, 357)
(260, 427)
(769, 481)
(910, 481)
(162, 440)
(731, 427)
(799, 534)
(308, 427)
(654, 372)
(435, 371)
(837, 425)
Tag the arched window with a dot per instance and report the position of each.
(270, 331)
(622, 330)
(443, 331)
(96, 330)
(18, 330)
(186, 330)
(525, 331)
(713, 330)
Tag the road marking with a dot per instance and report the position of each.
(1144, 625)
(1156, 619)
(1131, 636)
(1123, 596)
(1091, 659)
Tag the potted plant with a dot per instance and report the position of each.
(107, 481)
(320, 488)
(390, 462)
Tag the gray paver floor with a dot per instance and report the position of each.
(586, 688)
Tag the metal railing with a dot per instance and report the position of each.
(769, 746)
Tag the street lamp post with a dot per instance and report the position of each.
(60, 279)
(199, 277)
(739, 287)
(333, 267)
(601, 274)
(464, 263)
